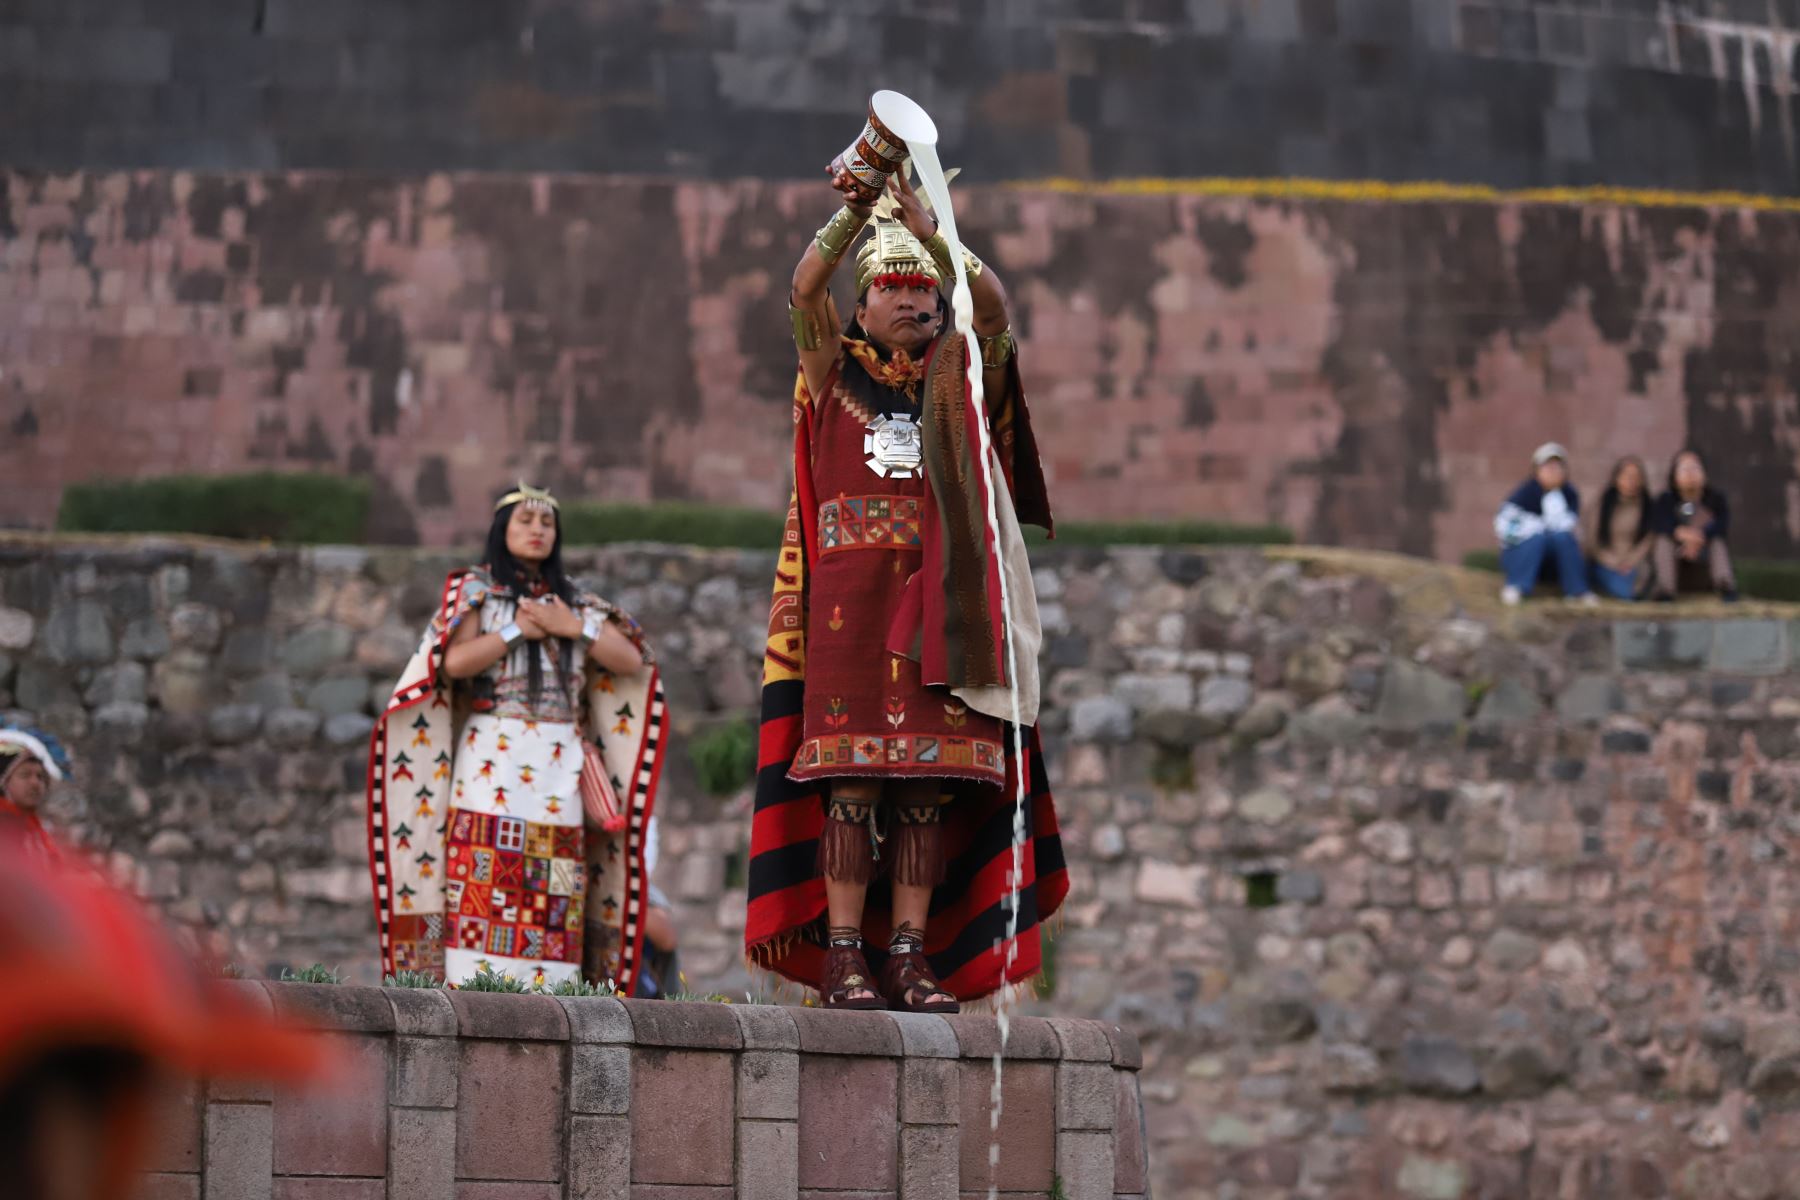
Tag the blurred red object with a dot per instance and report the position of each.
(99, 1005)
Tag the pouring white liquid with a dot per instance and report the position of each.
(910, 122)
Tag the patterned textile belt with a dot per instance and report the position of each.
(868, 523)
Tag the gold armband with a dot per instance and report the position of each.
(833, 240)
(997, 349)
(807, 333)
(938, 246)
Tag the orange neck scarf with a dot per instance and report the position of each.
(898, 370)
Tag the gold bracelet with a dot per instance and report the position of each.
(996, 349)
(834, 238)
(938, 246)
(807, 334)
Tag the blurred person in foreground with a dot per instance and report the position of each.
(513, 775)
(1537, 529)
(887, 773)
(30, 761)
(1692, 522)
(100, 1011)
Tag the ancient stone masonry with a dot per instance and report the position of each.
(1366, 373)
(536, 1098)
(1405, 896)
(1671, 93)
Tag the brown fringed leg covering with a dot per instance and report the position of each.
(846, 854)
(919, 845)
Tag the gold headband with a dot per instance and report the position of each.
(530, 497)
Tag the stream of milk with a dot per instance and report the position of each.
(962, 307)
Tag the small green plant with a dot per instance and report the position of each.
(1172, 769)
(1046, 987)
(317, 973)
(411, 979)
(1057, 1190)
(269, 505)
(581, 987)
(725, 758)
(486, 979)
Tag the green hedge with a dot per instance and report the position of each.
(1161, 533)
(1758, 578)
(757, 529)
(1769, 579)
(270, 505)
(1483, 560)
(587, 524)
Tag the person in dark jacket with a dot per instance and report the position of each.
(1692, 523)
(1538, 523)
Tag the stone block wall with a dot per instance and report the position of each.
(1404, 894)
(1674, 93)
(1367, 373)
(483, 1096)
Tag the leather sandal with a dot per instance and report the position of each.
(847, 971)
(910, 986)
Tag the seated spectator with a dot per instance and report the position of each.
(1692, 522)
(1622, 538)
(1537, 527)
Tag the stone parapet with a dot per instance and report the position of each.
(486, 1096)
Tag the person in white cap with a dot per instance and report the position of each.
(1537, 525)
(30, 761)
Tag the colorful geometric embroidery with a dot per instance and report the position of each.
(510, 885)
(868, 523)
(957, 755)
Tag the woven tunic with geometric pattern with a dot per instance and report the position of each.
(867, 711)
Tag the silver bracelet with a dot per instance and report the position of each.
(511, 634)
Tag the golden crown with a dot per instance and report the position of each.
(893, 250)
(529, 496)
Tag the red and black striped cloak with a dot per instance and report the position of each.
(785, 927)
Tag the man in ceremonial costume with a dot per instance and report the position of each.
(887, 774)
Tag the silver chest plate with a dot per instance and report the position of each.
(894, 448)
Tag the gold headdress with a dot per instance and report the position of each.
(892, 251)
(530, 497)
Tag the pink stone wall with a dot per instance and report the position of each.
(519, 1097)
(1368, 374)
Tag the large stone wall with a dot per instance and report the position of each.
(467, 1094)
(1370, 374)
(1404, 894)
(1677, 93)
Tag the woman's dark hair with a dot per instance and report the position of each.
(521, 580)
(1690, 452)
(1609, 499)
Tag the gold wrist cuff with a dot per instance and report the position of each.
(997, 349)
(807, 333)
(938, 246)
(834, 238)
